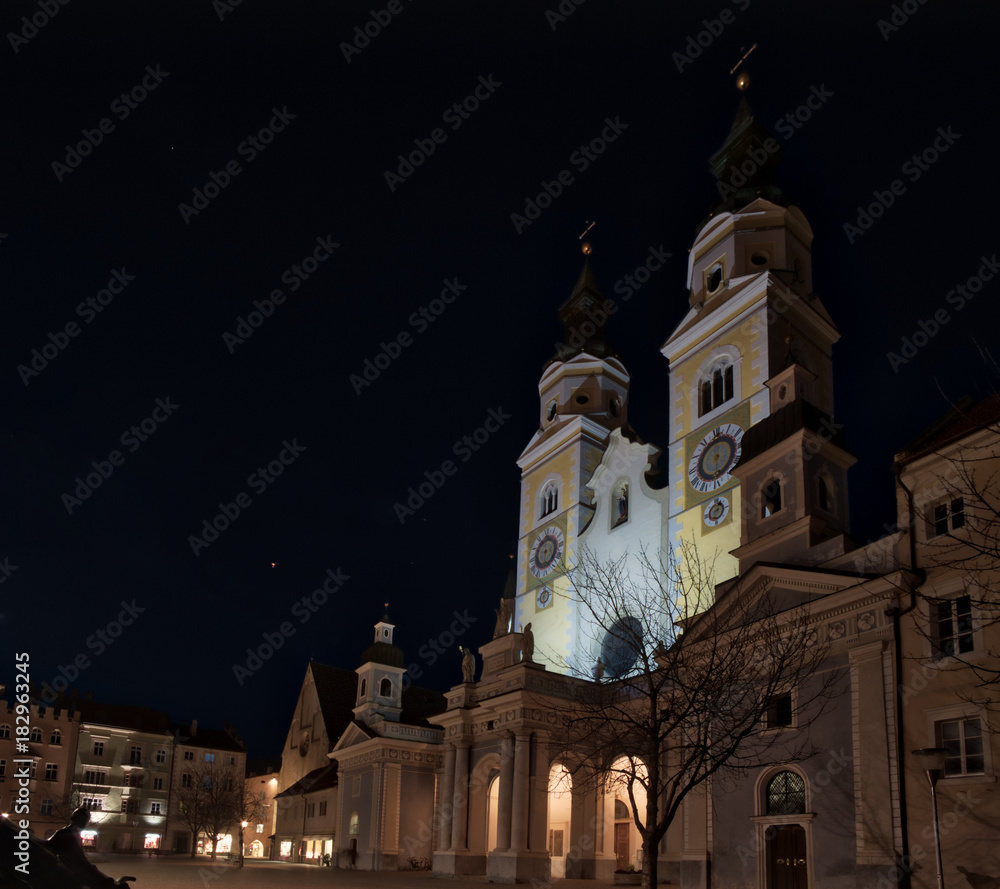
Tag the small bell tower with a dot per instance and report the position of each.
(380, 677)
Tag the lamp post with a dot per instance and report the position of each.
(931, 760)
(243, 826)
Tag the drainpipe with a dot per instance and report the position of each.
(897, 613)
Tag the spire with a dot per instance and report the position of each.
(583, 317)
(744, 165)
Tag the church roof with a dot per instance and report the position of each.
(584, 320)
(317, 779)
(337, 691)
(383, 653)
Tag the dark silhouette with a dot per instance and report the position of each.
(66, 845)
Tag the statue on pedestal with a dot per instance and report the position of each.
(504, 615)
(468, 665)
(528, 645)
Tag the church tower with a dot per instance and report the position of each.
(380, 677)
(755, 338)
(583, 398)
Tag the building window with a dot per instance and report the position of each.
(770, 498)
(353, 829)
(3, 767)
(549, 501)
(51, 771)
(98, 748)
(779, 712)
(135, 780)
(209, 757)
(786, 794)
(322, 808)
(716, 387)
(154, 809)
(135, 756)
(92, 803)
(232, 760)
(186, 781)
(260, 828)
(963, 739)
(46, 807)
(713, 277)
(157, 784)
(161, 756)
(310, 810)
(56, 737)
(825, 493)
(951, 627)
(364, 687)
(36, 735)
(130, 806)
(948, 516)
(4, 731)
(385, 688)
(189, 755)
(95, 776)
(32, 768)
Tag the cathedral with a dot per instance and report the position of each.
(754, 481)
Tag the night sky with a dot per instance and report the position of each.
(241, 159)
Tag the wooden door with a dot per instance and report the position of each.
(621, 844)
(787, 858)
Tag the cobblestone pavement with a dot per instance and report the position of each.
(178, 873)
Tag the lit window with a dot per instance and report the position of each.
(51, 771)
(260, 828)
(948, 516)
(92, 803)
(951, 626)
(963, 739)
(786, 794)
(716, 386)
(549, 499)
(56, 737)
(353, 830)
(209, 757)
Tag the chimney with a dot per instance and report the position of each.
(194, 727)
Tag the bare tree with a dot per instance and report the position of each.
(686, 683)
(192, 801)
(250, 806)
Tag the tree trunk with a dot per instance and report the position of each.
(649, 875)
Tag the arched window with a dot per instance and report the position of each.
(621, 811)
(716, 387)
(56, 737)
(786, 794)
(36, 735)
(825, 493)
(353, 828)
(385, 688)
(364, 688)
(770, 497)
(549, 500)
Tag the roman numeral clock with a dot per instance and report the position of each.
(709, 469)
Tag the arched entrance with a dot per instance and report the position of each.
(560, 814)
(784, 830)
(626, 774)
(492, 808)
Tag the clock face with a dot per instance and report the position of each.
(546, 551)
(544, 597)
(716, 511)
(713, 457)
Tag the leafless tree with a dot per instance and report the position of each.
(192, 802)
(689, 682)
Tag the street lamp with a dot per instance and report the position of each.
(931, 760)
(243, 826)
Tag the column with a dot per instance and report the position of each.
(445, 801)
(506, 791)
(538, 820)
(460, 797)
(519, 819)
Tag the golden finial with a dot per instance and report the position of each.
(586, 248)
(743, 81)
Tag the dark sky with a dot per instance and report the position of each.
(75, 221)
